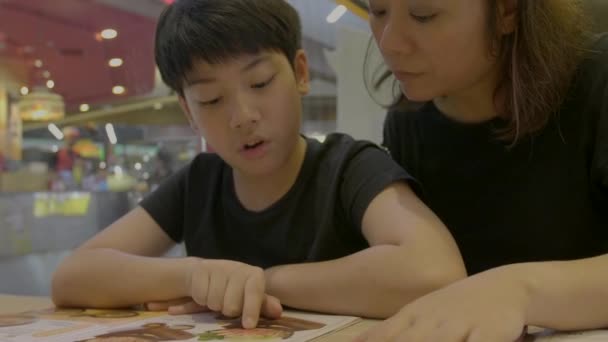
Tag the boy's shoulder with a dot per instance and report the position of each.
(341, 144)
(207, 160)
(341, 151)
(205, 166)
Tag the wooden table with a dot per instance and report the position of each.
(17, 304)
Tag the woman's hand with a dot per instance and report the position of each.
(490, 306)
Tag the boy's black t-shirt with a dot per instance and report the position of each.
(544, 199)
(318, 219)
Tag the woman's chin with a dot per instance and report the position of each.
(417, 94)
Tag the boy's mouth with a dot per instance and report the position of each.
(254, 149)
(252, 145)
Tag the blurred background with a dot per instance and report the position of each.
(87, 128)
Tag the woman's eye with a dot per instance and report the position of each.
(377, 13)
(423, 18)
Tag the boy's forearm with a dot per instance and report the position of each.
(105, 278)
(373, 283)
(568, 295)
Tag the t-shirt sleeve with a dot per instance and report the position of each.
(166, 204)
(368, 172)
(600, 99)
(391, 138)
(601, 152)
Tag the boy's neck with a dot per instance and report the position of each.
(258, 193)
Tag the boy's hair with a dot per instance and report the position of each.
(214, 31)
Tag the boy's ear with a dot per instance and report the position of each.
(508, 16)
(186, 109)
(302, 73)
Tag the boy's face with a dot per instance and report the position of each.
(248, 108)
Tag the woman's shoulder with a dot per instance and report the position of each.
(600, 43)
(594, 66)
(590, 82)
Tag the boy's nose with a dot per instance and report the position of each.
(244, 116)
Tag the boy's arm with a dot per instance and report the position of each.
(121, 266)
(118, 268)
(411, 254)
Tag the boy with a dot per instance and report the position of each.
(274, 218)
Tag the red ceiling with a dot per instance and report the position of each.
(64, 34)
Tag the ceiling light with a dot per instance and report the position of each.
(111, 134)
(24, 91)
(118, 90)
(84, 107)
(50, 84)
(38, 63)
(336, 14)
(55, 131)
(109, 34)
(115, 62)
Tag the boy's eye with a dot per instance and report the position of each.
(423, 18)
(210, 102)
(263, 84)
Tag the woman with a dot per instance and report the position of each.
(510, 144)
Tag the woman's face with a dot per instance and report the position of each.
(434, 47)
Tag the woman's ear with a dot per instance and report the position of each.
(508, 10)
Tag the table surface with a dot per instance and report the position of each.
(17, 304)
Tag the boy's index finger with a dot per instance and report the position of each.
(252, 302)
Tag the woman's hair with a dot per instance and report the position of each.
(537, 62)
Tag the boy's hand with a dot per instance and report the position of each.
(232, 288)
(185, 306)
(182, 306)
